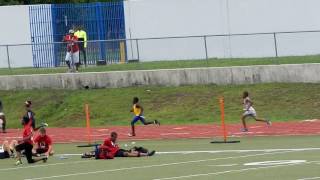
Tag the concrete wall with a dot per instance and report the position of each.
(15, 29)
(305, 73)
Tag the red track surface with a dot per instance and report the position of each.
(68, 135)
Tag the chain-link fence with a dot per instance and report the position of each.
(104, 52)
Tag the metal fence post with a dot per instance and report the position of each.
(8, 57)
(138, 54)
(205, 46)
(275, 44)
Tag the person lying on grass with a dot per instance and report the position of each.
(110, 149)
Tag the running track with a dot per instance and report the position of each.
(68, 135)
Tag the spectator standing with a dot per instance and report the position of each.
(82, 37)
(72, 56)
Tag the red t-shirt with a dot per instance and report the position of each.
(43, 142)
(108, 149)
(71, 43)
(27, 131)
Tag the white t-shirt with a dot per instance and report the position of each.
(247, 104)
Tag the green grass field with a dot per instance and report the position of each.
(293, 156)
(171, 105)
(170, 65)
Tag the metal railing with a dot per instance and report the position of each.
(275, 44)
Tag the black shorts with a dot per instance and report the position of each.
(4, 155)
(81, 44)
(24, 146)
(27, 150)
(41, 150)
(120, 153)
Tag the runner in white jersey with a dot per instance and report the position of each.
(249, 111)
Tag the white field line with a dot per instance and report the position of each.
(224, 165)
(177, 133)
(309, 178)
(225, 172)
(239, 151)
(44, 165)
(155, 165)
(222, 151)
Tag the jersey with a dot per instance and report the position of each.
(43, 142)
(81, 34)
(29, 116)
(248, 109)
(247, 104)
(136, 110)
(108, 149)
(72, 45)
(27, 131)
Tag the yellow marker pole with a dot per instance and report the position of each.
(122, 53)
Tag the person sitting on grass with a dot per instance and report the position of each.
(137, 109)
(110, 149)
(249, 111)
(26, 144)
(43, 144)
(7, 150)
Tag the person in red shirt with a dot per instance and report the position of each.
(43, 143)
(26, 144)
(72, 56)
(110, 149)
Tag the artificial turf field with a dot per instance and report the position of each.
(296, 157)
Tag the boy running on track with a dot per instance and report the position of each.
(110, 149)
(43, 143)
(249, 112)
(26, 144)
(137, 109)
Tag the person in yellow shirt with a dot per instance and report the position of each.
(137, 110)
(82, 36)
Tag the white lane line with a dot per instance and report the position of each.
(239, 151)
(223, 172)
(271, 163)
(155, 165)
(44, 165)
(179, 128)
(182, 133)
(254, 127)
(224, 165)
(222, 151)
(171, 152)
(310, 120)
(311, 178)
